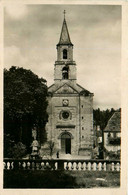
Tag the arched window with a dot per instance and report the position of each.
(65, 72)
(64, 54)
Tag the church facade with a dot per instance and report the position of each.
(70, 109)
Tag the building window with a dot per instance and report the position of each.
(113, 140)
(65, 71)
(82, 117)
(82, 128)
(65, 115)
(65, 54)
(82, 106)
(82, 136)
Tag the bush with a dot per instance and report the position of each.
(19, 150)
(12, 149)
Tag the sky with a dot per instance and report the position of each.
(31, 33)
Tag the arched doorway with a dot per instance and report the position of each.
(66, 143)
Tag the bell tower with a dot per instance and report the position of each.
(65, 67)
(70, 106)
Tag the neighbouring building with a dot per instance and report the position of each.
(70, 109)
(112, 136)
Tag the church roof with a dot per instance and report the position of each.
(64, 37)
(76, 87)
(114, 123)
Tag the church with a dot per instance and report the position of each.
(70, 106)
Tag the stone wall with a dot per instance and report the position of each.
(80, 124)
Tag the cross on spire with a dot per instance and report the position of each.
(64, 13)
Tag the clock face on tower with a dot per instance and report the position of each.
(65, 102)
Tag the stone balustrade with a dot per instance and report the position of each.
(70, 165)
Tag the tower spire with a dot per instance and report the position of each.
(64, 37)
(64, 13)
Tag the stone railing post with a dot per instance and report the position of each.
(16, 164)
(60, 165)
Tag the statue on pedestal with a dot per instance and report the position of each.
(34, 145)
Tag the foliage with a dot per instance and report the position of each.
(24, 105)
(8, 146)
(13, 150)
(51, 147)
(112, 154)
(19, 150)
(60, 179)
(101, 117)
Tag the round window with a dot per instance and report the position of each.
(65, 114)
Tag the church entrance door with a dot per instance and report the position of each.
(66, 143)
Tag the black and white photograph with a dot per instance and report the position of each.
(62, 96)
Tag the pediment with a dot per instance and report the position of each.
(66, 89)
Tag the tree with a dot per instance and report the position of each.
(51, 147)
(101, 117)
(25, 105)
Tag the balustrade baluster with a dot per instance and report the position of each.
(89, 166)
(67, 167)
(101, 166)
(35, 165)
(92, 166)
(56, 167)
(45, 166)
(39, 165)
(72, 166)
(98, 166)
(117, 167)
(108, 166)
(48, 165)
(112, 166)
(11, 165)
(42, 165)
(53, 165)
(77, 167)
(104, 166)
(5, 165)
(19, 165)
(22, 165)
(25, 165)
(28, 165)
(86, 166)
(82, 167)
